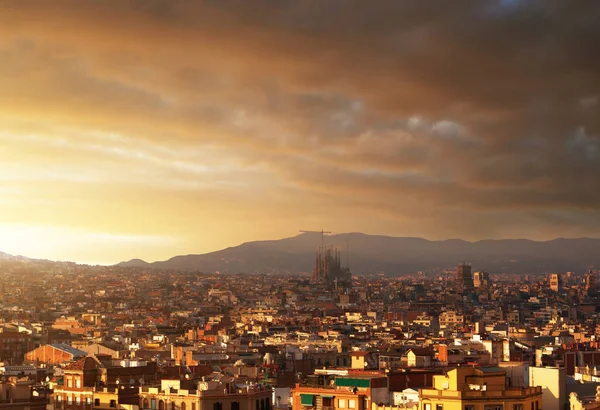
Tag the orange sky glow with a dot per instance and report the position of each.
(149, 129)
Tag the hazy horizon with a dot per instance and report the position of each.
(315, 234)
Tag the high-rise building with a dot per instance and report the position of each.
(464, 277)
(591, 281)
(481, 279)
(555, 282)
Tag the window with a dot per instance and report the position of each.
(78, 382)
(69, 382)
(113, 403)
(219, 406)
(59, 398)
(351, 403)
(427, 406)
(88, 400)
(469, 407)
(97, 403)
(517, 407)
(537, 405)
(494, 407)
(342, 403)
(439, 407)
(235, 405)
(69, 399)
(77, 400)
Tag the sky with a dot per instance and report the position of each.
(151, 128)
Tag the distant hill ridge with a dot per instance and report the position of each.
(392, 255)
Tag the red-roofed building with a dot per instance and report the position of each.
(80, 377)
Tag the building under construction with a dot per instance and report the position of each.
(328, 268)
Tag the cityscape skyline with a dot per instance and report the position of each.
(158, 128)
(77, 337)
(430, 166)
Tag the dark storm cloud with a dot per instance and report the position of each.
(459, 106)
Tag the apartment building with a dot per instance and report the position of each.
(469, 388)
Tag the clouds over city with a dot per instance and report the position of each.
(220, 121)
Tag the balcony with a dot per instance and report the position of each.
(513, 392)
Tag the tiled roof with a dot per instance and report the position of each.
(76, 365)
(81, 363)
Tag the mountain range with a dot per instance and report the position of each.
(391, 255)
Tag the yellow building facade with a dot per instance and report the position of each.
(468, 388)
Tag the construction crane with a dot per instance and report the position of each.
(322, 232)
